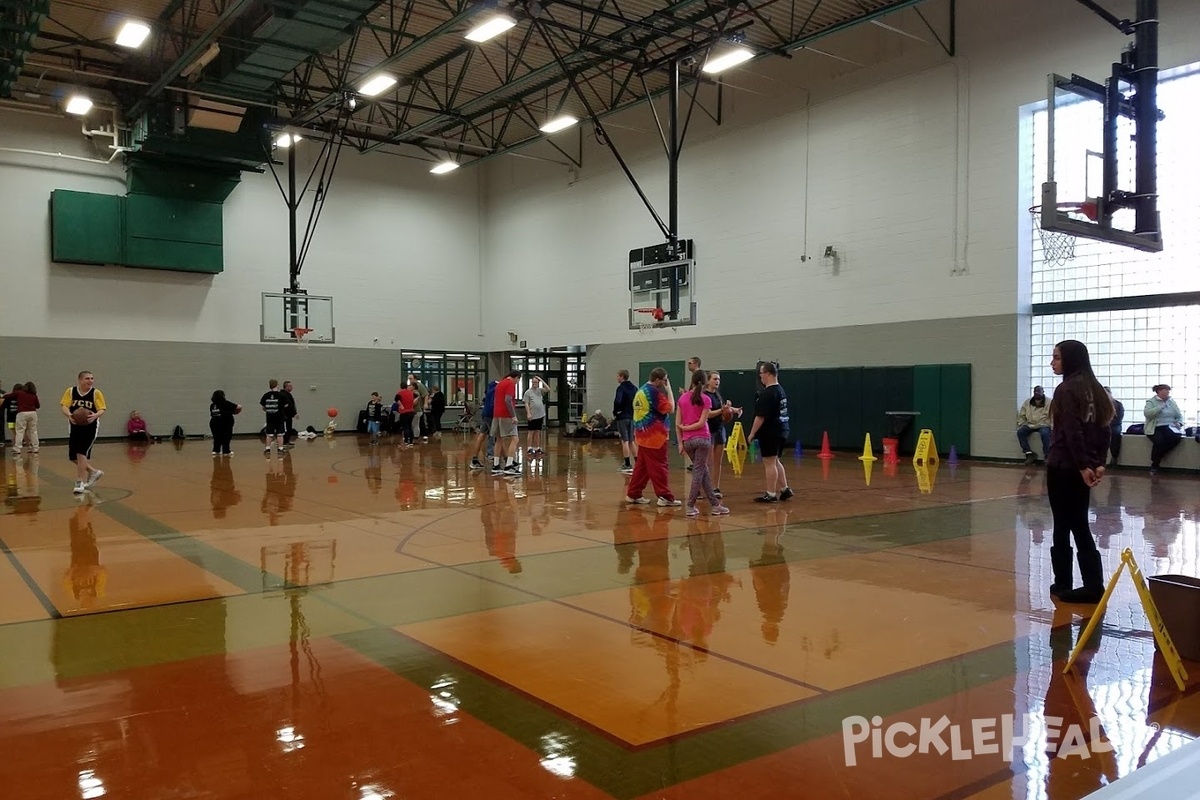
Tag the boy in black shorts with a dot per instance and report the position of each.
(771, 427)
(273, 405)
(83, 435)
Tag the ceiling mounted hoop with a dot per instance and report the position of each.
(1058, 248)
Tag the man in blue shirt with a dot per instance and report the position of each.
(483, 427)
(623, 416)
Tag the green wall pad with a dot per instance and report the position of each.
(86, 228)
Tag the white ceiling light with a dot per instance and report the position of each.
(558, 124)
(377, 85)
(728, 58)
(287, 139)
(79, 105)
(132, 34)
(491, 29)
(444, 167)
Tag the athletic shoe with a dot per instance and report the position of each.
(766, 497)
(665, 503)
(94, 476)
(719, 511)
(787, 493)
(693, 511)
(717, 492)
(637, 501)
(79, 487)
(626, 470)
(513, 469)
(477, 464)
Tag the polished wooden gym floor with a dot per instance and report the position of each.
(363, 622)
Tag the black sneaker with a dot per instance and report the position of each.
(787, 493)
(766, 497)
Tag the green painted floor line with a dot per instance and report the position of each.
(625, 772)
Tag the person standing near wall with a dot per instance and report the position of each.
(220, 423)
(1079, 417)
(289, 414)
(437, 407)
(772, 427)
(1118, 421)
(272, 404)
(535, 414)
(82, 435)
(23, 401)
(623, 416)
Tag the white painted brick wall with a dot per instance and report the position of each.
(397, 248)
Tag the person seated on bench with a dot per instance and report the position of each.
(1114, 439)
(1034, 416)
(1164, 425)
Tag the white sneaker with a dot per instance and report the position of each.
(93, 476)
(637, 501)
(79, 487)
(662, 501)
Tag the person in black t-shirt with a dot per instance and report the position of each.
(374, 417)
(220, 422)
(289, 414)
(273, 406)
(771, 426)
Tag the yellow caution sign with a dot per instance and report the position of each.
(868, 454)
(1165, 645)
(926, 453)
(735, 448)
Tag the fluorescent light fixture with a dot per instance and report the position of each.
(727, 59)
(444, 167)
(558, 124)
(377, 85)
(132, 34)
(287, 139)
(491, 29)
(79, 105)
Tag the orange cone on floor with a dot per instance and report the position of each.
(825, 451)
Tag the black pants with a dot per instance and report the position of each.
(1069, 501)
(222, 433)
(405, 422)
(1162, 441)
(435, 421)
(289, 431)
(1114, 443)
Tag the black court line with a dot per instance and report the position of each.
(47, 606)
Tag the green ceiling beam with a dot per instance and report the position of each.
(23, 21)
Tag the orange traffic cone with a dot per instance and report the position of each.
(825, 451)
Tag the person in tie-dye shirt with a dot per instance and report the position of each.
(653, 403)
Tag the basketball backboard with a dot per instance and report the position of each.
(284, 313)
(654, 272)
(1101, 170)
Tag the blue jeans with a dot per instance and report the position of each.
(1023, 439)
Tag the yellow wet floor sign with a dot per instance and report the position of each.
(735, 448)
(926, 453)
(1165, 645)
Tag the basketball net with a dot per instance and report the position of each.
(656, 318)
(301, 335)
(1057, 247)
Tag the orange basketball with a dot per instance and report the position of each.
(80, 416)
(332, 412)
(727, 413)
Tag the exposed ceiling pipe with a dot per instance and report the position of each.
(106, 161)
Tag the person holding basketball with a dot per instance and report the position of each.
(716, 427)
(83, 405)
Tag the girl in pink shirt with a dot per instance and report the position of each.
(695, 409)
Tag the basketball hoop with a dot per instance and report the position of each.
(301, 337)
(1057, 247)
(656, 317)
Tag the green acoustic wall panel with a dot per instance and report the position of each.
(803, 406)
(927, 399)
(956, 408)
(676, 372)
(738, 386)
(86, 228)
(898, 391)
(173, 233)
(825, 405)
(875, 403)
(849, 408)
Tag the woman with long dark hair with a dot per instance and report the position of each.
(1079, 417)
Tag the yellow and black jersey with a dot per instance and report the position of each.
(92, 399)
